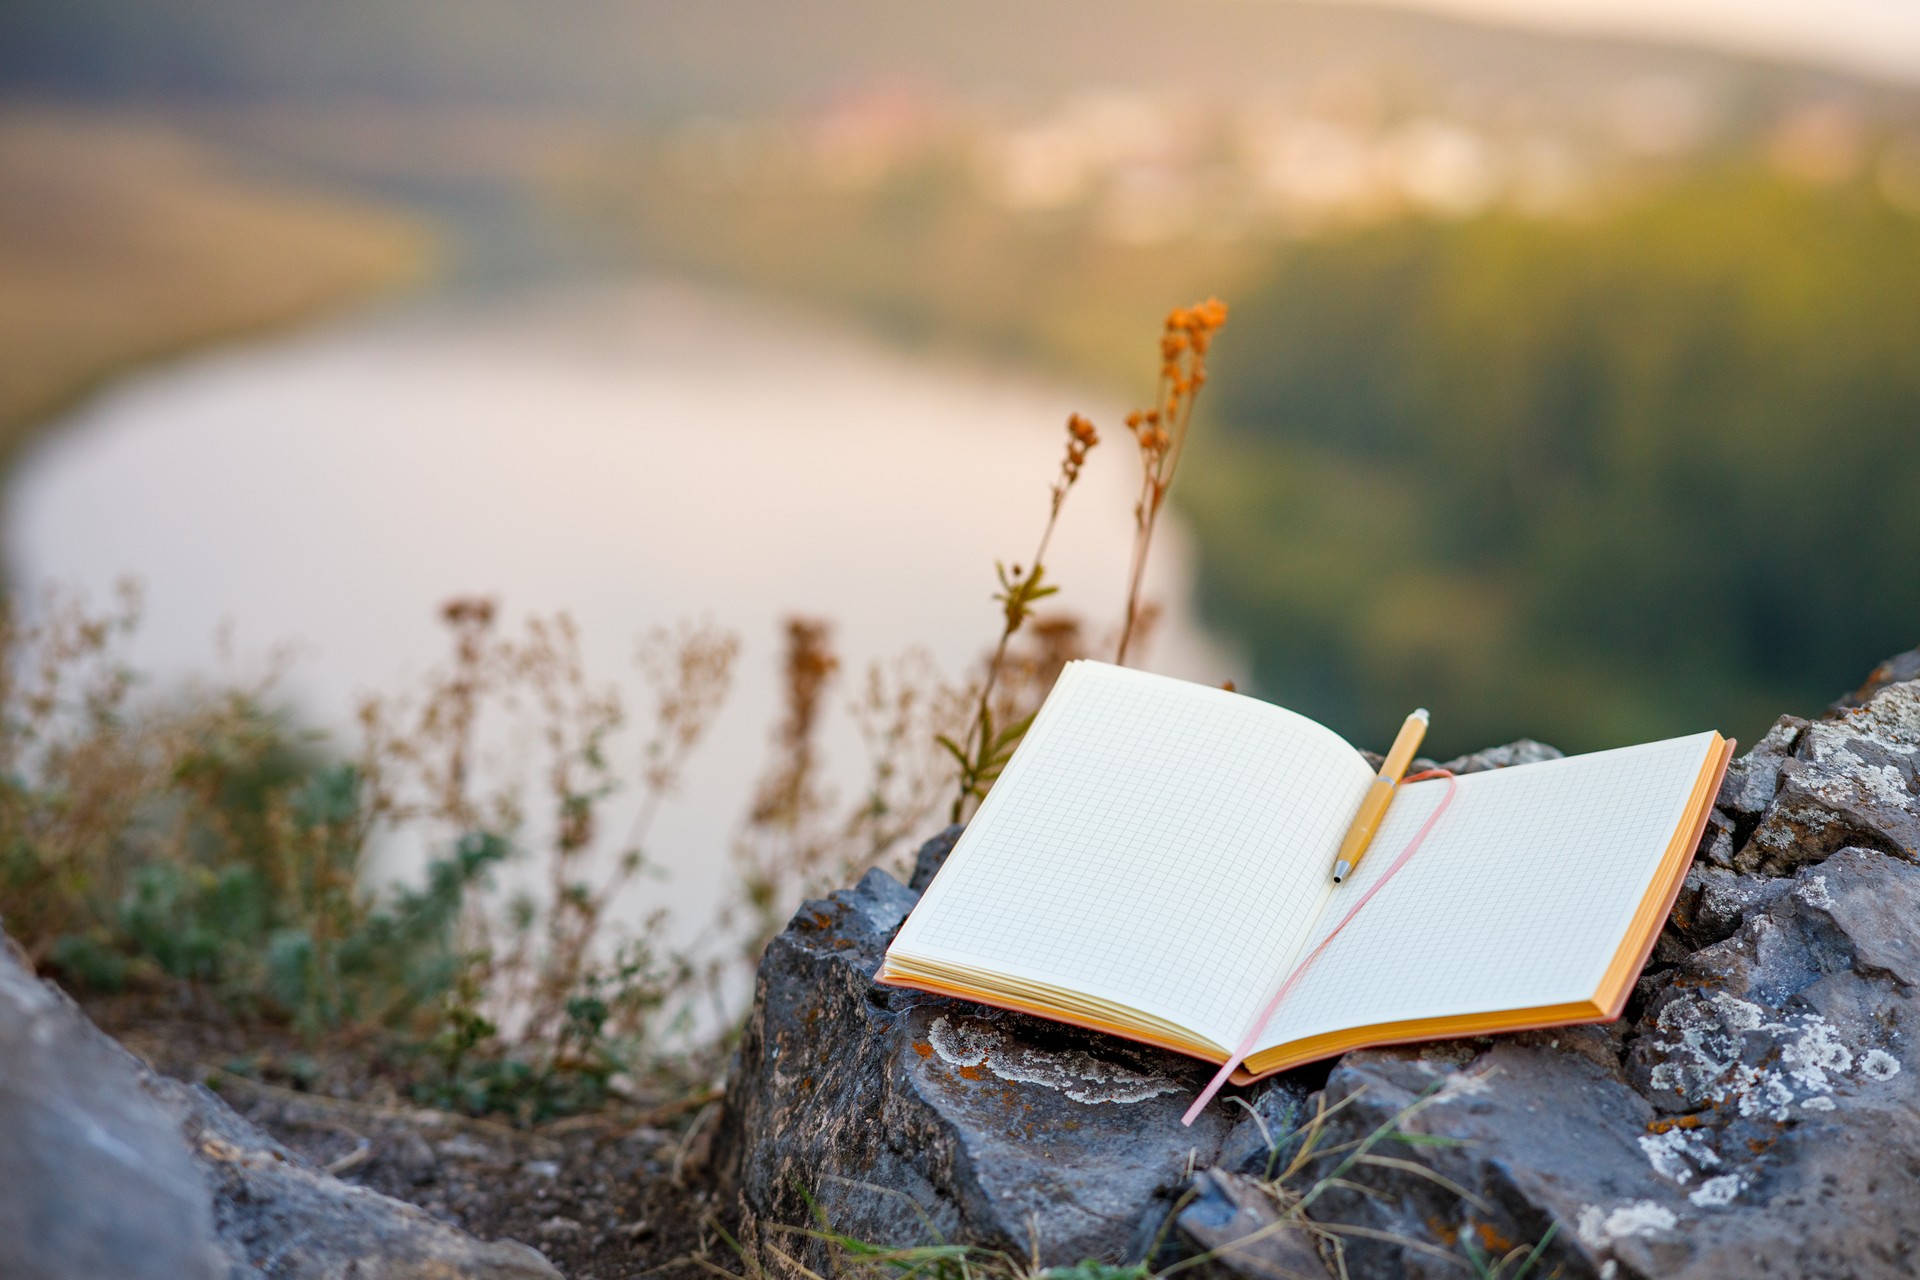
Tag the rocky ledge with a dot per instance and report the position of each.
(108, 1169)
(1754, 1114)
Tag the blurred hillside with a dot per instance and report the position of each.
(640, 58)
(123, 241)
(1563, 372)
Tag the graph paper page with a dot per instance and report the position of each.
(1152, 843)
(1518, 898)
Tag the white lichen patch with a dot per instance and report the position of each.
(1675, 1154)
(1891, 718)
(1464, 1084)
(1080, 1076)
(1816, 1051)
(1814, 892)
(1599, 1227)
(1845, 778)
(1819, 1103)
(1708, 1055)
(1878, 1064)
(1717, 1193)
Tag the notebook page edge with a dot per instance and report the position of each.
(1576, 990)
(1076, 683)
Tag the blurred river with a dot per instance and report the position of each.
(634, 455)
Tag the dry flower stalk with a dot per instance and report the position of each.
(1161, 433)
(986, 748)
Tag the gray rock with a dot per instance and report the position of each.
(910, 1118)
(277, 1216)
(1757, 1113)
(1272, 1111)
(1850, 780)
(1519, 751)
(1901, 667)
(94, 1178)
(1754, 779)
(933, 856)
(1762, 1116)
(111, 1170)
(1713, 902)
(1238, 1225)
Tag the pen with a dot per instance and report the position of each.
(1374, 807)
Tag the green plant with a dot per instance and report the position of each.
(205, 839)
(987, 746)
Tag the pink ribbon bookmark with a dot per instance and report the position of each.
(1299, 971)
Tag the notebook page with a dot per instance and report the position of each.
(1519, 897)
(1153, 843)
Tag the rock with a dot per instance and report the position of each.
(96, 1179)
(1849, 780)
(1519, 751)
(112, 1170)
(1895, 670)
(1238, 1224)
(1756, 1113)
(933, 856)
(1271, 1111)
(910, 1118)
(1761, 1117)
(1754, 779)
(278, 1216)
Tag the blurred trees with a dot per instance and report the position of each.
(1649, 471)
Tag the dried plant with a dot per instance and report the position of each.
(1161, 433)
(787, 837)
(987, 746)
(905, 707)
(545, 989)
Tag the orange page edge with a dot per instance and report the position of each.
(1605, 1006)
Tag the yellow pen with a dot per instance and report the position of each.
(1379, 795)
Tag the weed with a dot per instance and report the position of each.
(1302, 1167)
(988, 745)
(1161, 433)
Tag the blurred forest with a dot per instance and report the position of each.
(1604, 478)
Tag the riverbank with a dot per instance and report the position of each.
(123, 241)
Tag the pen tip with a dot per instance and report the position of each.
(1340, 870)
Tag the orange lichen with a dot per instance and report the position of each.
(1492, 1238)
(1673, 1122)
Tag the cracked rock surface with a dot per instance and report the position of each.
(910, 1117)
(1756, 1113)
(108, 1170)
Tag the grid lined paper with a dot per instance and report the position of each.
(1518, 898)
(1155, 843)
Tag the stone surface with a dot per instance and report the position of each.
(1760, 1117)
(1520, 751)
(277, 1216)
(1756, 1113)
(932, 856)
(911, 1118)
(1846, 780)
(1240, 1228)
(111, 1170)
(1901, 667)
(94, 1178)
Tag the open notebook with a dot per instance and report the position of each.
(1156, 858)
